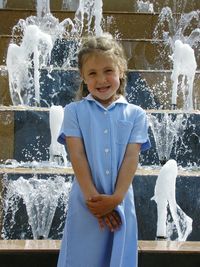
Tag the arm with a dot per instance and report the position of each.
(81, 167)
(103, 204)
(83, 175)
(127, 171)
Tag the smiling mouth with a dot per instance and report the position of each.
(103, 89)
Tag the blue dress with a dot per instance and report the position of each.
(105, 133)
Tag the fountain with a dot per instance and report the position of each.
(166, 133)
(184, 63)
(41, 198)
(25, 63)
(165, 197)
(145, 6)
(56, 150)
(42, 72)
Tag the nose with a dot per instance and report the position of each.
(101, 78)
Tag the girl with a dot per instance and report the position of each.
(104, 135)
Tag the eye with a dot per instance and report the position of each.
(92, 73)
(109, 70)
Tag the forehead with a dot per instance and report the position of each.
(96, 58)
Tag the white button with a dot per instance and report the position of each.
(107, 172)
(106, 131)
(106, 150)
(105, 112)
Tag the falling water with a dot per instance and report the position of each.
(90, 10)
(43, 8)
(165, 197)
(57, 151)
(71, 5)
(40, 196)
(145, 6)
(39, 34)
(35, 50)
(182, 43)
(25, 60)
(184, 65)
(3, 3)
(166, 131)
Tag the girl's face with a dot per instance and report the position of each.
(102, 76)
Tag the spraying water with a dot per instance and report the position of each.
(165, 197)
(184, 65)
(39, 34)
(71, 5)
(35, 50)
(145, 6)
(57, 151)
(3, 3)
(91, 10)
(43, 8)
(166, 131)
(182, 43)
(40, 197)
(25, 60)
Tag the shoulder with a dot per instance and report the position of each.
(134, 110)
(73, 105)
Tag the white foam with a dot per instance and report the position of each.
(165, 197)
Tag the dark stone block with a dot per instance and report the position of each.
(187, 197)
(186, 147)
(32, 139)
(32, 136)
(59, 87)
(139, 93)
(168, 259)
(16, 225)
(24, 259)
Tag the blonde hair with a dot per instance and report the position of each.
(104, 44)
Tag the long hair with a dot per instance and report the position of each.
(102, 44)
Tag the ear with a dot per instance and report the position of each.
(121, 74)
(82, 77)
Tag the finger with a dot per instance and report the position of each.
(108, 223)
(117, 217)
(92, 204)
(95, 198)
(101, 223)
(114, 221)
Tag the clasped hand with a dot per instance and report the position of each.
(103, 208)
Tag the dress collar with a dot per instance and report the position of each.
(120, 100)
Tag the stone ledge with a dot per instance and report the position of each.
(29, 246)
(147, 88)
(53, 246)
(125, 5)
(142, 170)
(169, 246)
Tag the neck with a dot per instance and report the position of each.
(107, 102)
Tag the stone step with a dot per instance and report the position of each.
(111, 5)
(150, 253)
(124, 25)
(47, 168)
(187, 192)
(26, 137)
(142, 54)
(142, 25)
(150, 89)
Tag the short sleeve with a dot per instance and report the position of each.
(70, 125)
(139, 133)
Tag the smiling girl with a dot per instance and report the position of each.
(104, 135)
